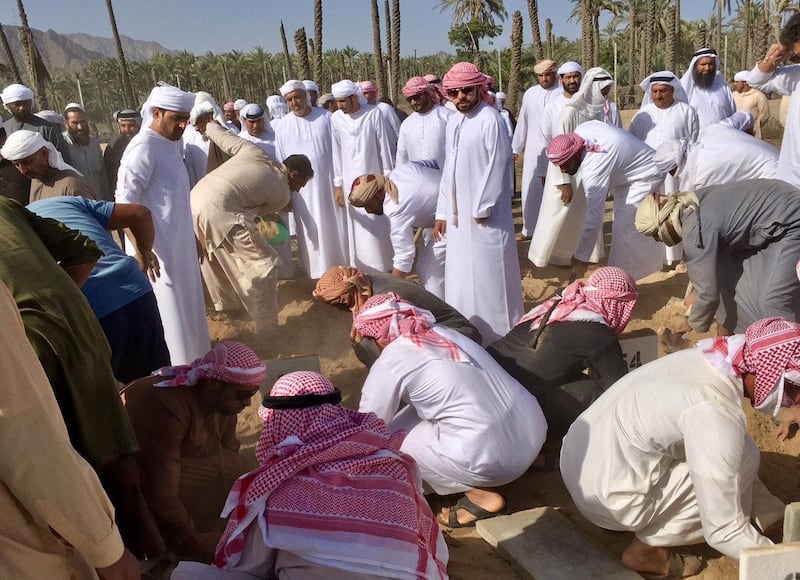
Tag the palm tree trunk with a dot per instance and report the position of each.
(10, 57)
(127, 87)
(516, 62)
(650, 34)
(301, 45)
(548, 31)
(318, 41)
(586, 32)
(377, 65)
(387, 18)
(286, 56)
(671, 40)
(533, 15)
(37, 73)
(395, 50)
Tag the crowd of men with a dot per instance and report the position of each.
(110, 257)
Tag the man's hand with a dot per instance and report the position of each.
(149, 264)
(566, 193)
(439, 230)
(790, 418)
(776, 54)
(200, 250)
(481, 221)
(338, 196)
(126, 568)
(399, 273)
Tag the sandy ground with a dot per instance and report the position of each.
(308, 327)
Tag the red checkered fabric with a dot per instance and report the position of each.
(463, 74)
(563, 147)
(386, 317)
(770, 349)
(326, 472)
(609, 292)
(229, 361)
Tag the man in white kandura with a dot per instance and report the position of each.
(665, 115)
(664, 452)
(528, 139)
(408, 196)
(470, 426)
(422, 133)
(482, 277)
(152, 174)
(706, 88)
(361, 145)
(321, 224)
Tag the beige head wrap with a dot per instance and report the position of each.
(543, 65)
(367, 186)
(665, 220)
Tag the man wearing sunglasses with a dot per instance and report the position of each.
(482, 277)
(768, 76)
(422, 133)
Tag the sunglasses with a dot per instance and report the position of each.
(417, 97)
(453, 93)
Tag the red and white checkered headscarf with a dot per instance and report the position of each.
(229, 361)
(769, 349)
(386, 317)
(330, 480)
(417, 85)
(609, 292)
(563, 147)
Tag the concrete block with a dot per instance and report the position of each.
(278, 367)
(639, 347)
(778, 562)
(791, 523)
(541, 544)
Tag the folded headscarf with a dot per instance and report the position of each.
(367, 186)
(665, 220)
(687, 80)
(367, 87)
(128, 115)
(228, 361)
(570, 67)
(769, 349)
(387, 317)
(168, 98)
(464, 74)
(251, 112)
(51, 116)
(742, 75)
(663, 77)
(23, 143)
(608, 296)
(310, 86)
(202, 98)
(15, 93)
(563, 147)
(543, 66)
(343, 286)
(291, 86)
(417, 85)
(239, 104)
(277, 106)
(329, 480)
(589, 99)
(344, 89)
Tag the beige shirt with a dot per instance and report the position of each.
(756, 103)
(63, 183)
(248, 184)
(57, 522)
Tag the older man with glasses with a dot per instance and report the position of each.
(482, 277)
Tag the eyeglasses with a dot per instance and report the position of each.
(453, 93)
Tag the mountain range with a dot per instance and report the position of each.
(69, 53)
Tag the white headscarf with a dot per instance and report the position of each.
(253, 109)
(569, 67)
(277, 106)
(51, 117)
(310, 86)
(21, 144)
(293, 85)
(663, 77)
(168, 98)
(740, 120)
(347, 88)
(671, 155)
(589, 98)
(687, 80)
(205, 103)
(742, 75)
(15, 93)
(239, 104)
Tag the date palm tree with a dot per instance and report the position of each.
(37, 72)
(12, 65)
(514, 85)
(123, 66)
(533, 16)
(318, 41)
(378, 70)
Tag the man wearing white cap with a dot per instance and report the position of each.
(84, 151)
(313, 92)
(18, 100)
(528, 139)
(665, 115)
(152, 174)
(361, 144)
(321, 224)
(422, 133)
(706, 89)
(40, 161)
(752, 100)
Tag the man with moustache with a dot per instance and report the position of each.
(528, 139)
(85, 152)
(422, 133)
(152, 173)
(706, 89)
(320, 223)
(482, 277)
(129, 122)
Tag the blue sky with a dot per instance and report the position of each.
(219, 26)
